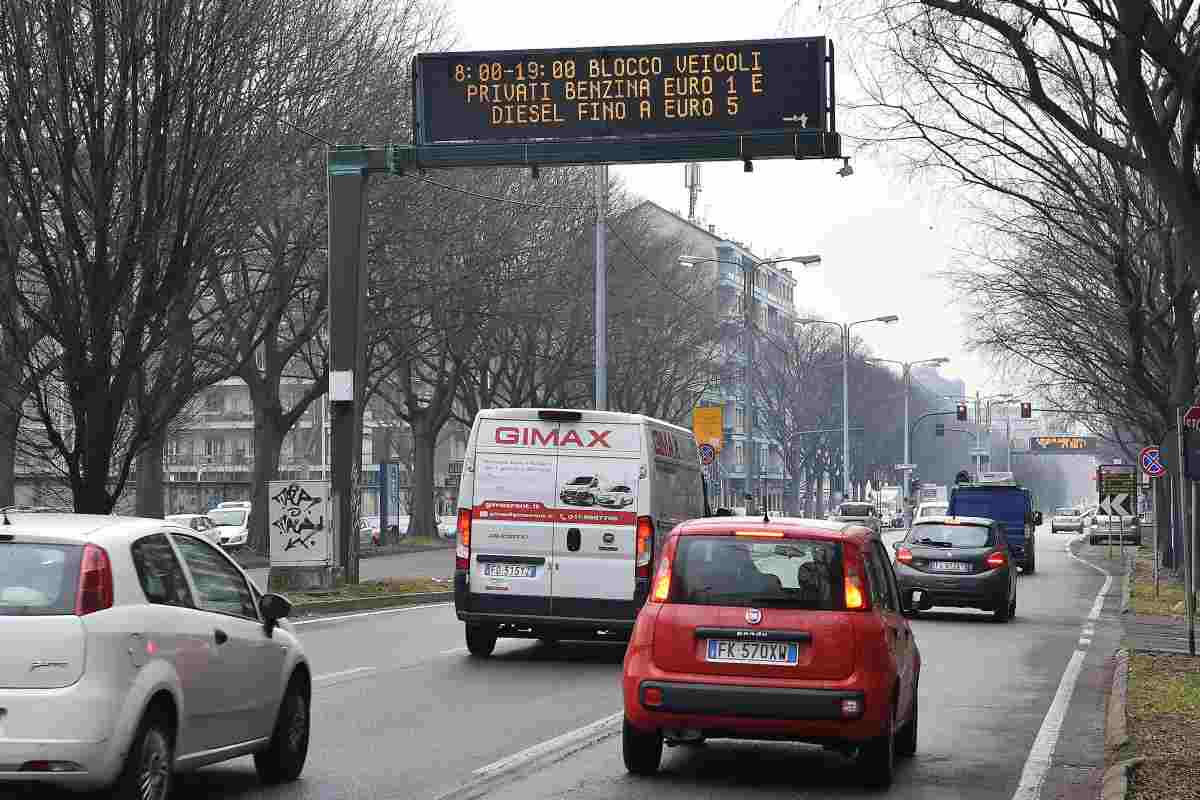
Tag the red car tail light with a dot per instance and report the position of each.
(645, 547)
(652, 696)
(462, 554)
(996, 560)
(852, 708)
(904, 555)
(95, 591)
(662, 585)
(856, 596)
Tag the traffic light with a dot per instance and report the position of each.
(1026, 410)
(962, 412)
(939, 429)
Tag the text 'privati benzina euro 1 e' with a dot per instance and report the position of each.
(678, 87)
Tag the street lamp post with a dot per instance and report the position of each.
(749, 268)
(845, 328)
(907, 366)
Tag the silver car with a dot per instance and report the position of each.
(134, 649)
(863, 514)
(1067, 518)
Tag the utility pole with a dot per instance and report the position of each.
(600, 173)
(845, 412)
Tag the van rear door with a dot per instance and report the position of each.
(594, 537)
(512, 531)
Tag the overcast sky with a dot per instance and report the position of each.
(882, 242)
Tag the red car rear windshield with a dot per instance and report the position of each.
(744, 571)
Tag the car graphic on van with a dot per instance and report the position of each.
(580, 491)
(617, 496)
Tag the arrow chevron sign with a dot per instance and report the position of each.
(1115, 505)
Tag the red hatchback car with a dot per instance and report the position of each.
(790, 630)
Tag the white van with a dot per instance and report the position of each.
(538, 556)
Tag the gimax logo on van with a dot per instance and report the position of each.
(533, 437)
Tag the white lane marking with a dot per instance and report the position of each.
(1033, 776)
(579, 735)
(329, 676)
(453, 650)
(362, 614)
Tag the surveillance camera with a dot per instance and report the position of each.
(846, 171)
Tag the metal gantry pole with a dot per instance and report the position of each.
(601, 281)
(907, 473)
(1186, 530)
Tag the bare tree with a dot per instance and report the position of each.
(128, 129)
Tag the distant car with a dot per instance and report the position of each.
(234, 504)
(860, 514)
(791, 630)
(152, 654)
(963, 562)
(617, 496)
(931, 509)
(200, 523)
(1104, 528)
(1067, 519)
(233, 525)
(898, 520)
(580, 491)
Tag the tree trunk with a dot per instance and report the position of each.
(422, 522)
(10, 420)
(150, 478)
(268, 440)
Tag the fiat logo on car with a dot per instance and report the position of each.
(753, 616)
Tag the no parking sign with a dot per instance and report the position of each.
(1152, 462)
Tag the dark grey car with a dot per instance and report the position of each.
(962, 562)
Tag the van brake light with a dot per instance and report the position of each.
(462, 553)
(997, 560)
(645, 547)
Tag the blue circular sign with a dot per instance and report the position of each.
(1152, 464)
(708, 454)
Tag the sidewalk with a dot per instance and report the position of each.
(1154, 709)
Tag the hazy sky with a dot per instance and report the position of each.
(882, 241)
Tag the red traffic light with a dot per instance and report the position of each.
(1026, 410)
(961, 412)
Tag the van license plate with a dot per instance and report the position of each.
(509, 570)
(950, 566)
(727, 651)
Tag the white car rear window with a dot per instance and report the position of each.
(38, 579)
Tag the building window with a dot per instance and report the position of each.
(741, 456)
(214, 447)
(741, 421)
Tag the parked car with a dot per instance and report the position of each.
(135, 650)
(860, 514)
(233, 525)
(963, 562)
(200, 523)
(234, 504)
(617, 496)
(580, 491)
(1067, 518)
(368, 532)
(791, 630)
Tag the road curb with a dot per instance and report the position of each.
(1115, 785)
(1116, 732)
(322, 607)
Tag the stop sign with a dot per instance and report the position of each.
(1191, 417)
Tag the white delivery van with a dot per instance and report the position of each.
(547, 547)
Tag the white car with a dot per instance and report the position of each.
(135, 650)
(617, 496)
(933, 509)
(233, 525)
(200, 523)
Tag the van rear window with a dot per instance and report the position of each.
(1002, 504)
(38, 579)
(771, 573)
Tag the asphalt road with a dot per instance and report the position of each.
(400, 711)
